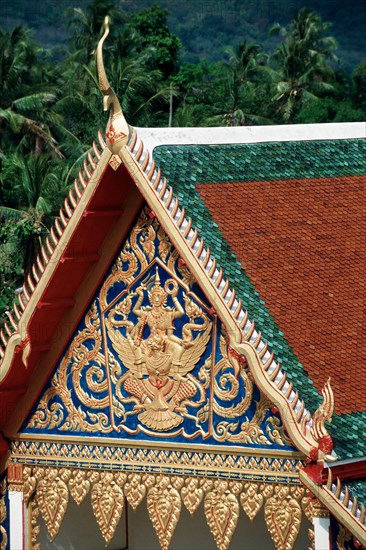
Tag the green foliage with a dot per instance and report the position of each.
(50, 110)
(359, 80)
(153, 32)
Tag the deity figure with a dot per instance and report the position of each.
(156, 358)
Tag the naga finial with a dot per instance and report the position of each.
(324, 414)
(117, 130)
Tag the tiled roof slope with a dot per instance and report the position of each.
(257, 193)
(301, 242)
(357, 488)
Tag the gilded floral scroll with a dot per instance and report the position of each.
(165, 496)
(151, 357)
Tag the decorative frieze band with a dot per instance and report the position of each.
(48, 491)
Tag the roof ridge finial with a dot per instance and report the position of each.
(117, 131)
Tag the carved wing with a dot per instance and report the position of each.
(124, 348)
(192, 355)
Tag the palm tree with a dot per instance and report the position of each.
(26, 101)
(303, 62)
(34, 187)
(86, 26)
(242, 75)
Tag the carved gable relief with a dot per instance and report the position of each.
(151, 358)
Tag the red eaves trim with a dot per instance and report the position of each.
(346, 472)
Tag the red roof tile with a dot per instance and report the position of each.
(302, 243)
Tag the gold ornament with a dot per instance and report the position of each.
(53, 497)
(164, 505)
(35, 528)
(159, 362)
(283, 518)
(222, 513)
(134, 490)
(79, 486)
(251, 500)
(311, 536)
(192, 494)
(344, 537)
(107, 502)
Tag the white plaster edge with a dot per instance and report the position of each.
(321, 533)
(153, 137)
(16, 520)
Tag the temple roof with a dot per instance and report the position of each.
(285, 219)
(259, 198)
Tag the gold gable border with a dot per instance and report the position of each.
(47, 493)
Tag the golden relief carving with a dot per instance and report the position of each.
(251, 500)
(164, 505)
(222, 513)
(52, 498)
(79, 486)
(344, 537)
(283, 518)
(164, 495)
(151, 356)
(87, 365)
(311, 536)
(3, 516)
(35, 528)
(107, 502)
(158, 363)
(135, 490)
(192, 494)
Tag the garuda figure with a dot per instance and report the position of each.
(158, 361)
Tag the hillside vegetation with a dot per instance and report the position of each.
(51, 107)
(206, 27)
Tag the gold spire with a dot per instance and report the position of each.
(117, 130)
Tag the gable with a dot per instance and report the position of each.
(135, 372)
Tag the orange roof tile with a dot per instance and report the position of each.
(302, 243)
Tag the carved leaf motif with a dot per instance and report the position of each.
(164, 244)
(53, 497)
(164, 505)
(283, 518)
(192, 495)
(79, 486)
(107, 502)
(251, 500)
(29, 485)
(134, 490)
(222, 513)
